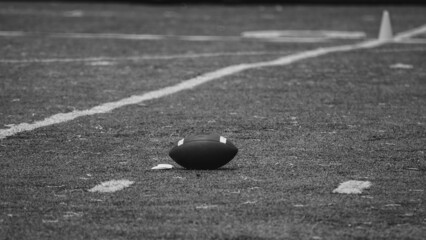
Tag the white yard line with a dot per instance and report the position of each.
(63, 13)
(158, 37)
(12, 34)
(121, 36)
(140, 58)
(411, 33)
(321, 34)
(296, 36)
(194, 82)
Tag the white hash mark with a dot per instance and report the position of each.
(352, 187)
(111, 186)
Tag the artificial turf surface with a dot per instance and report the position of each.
(301, 130)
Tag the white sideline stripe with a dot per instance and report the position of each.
(191, 83)
(140, 58)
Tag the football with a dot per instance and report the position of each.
(203, 152)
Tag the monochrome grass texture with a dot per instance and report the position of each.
(348, 120)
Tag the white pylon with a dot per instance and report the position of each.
(385, 33)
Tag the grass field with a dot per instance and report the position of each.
(306, 116)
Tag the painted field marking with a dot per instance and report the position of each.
(298, 36)
(12, 34)
(194, 82)
(121, 36)
(207, 38)
(352, 187)
(162, 167)
(409, 34)
(302, 35)
(111, 186)
(401, 66)
(289, 36)
(67, 13)
(101, 63)
(141, 58)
